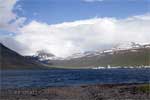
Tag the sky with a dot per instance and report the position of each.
(65, 27)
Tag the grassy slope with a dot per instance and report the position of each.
(128, 58)
(125, 58)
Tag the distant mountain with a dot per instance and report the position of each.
(9, 59)
(43, 55)
(116, 48)
(135, 55)
(121, 55)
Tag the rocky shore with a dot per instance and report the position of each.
(84, 92)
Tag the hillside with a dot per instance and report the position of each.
(9, 59)
(123, 57)
(128, 57)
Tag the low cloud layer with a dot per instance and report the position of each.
(70, 37)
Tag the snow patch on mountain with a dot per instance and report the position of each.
(132, 46)
(43, 55)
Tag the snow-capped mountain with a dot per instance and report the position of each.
(128, 45)
(84, 54)
(133, 55)
(132, 46)
(43, 55)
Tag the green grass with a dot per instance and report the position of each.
(126, 58)
(144, 89)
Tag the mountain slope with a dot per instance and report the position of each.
(127, 57)
(11, 60)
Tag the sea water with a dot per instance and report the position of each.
(67, 77)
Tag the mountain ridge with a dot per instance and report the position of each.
(10, 59)
(137, 56)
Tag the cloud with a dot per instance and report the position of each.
(9, 20)
(67, 38)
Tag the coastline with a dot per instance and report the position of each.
(131, 91)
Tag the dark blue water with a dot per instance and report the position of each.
(44, 78)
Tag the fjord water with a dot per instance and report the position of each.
(62, 77)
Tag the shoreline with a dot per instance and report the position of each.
(129, 91)
(62, 68)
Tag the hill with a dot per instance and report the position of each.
(129, 57)
(9, 59)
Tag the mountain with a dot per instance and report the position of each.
(115, 48)
(9, 59)
(122, 55)
(135, 55)
(43, 55)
